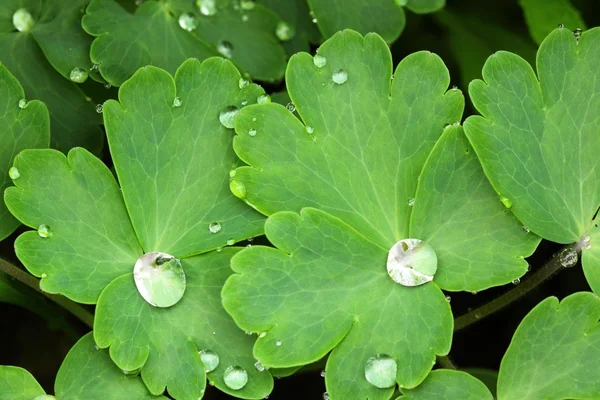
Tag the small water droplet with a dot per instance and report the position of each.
(411, 262)
(516, 281)
(219, 249)
(254, 119)
(506, 201)
(160, 279)
(526, 229)
(411, 202)
(319, 61)
(238, 189)
(247, 4)
(339, 76)
(285, 31)
(227, 116)
(44, 231)
(97, 347)
(310, 130)
(210, 359)
(251, 239)
(262, 334)
(259, 367)
(325, 396)
(245, 18)
(263, 99)
(107, 85)
(454, 87)
(586, 242)
(225, 48)
(568, 257)
(380, 371)
(207, 7)
(577, 33)
(252, 132)
(248, 333)
(188, 21)
(232, 173)
(291, 107)
(177, 102)
(323, 373)
(242, 83)
(244, 103)
(23, 103)
(230, 242)
(560, 26)
(214, 227)
(448, 298)
(94, 67)
(14, 173)
(22, 20)
(278, 343)
(78, 75)
(99, 108)
(235, 377)
(44, 275)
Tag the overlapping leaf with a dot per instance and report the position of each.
(555, 352)
(543, 16)
(172, 157)
(445, 384)
(154, 35)
(22, 128)
(366, 162)
(55, 39)
(538, 139)
(86, 373)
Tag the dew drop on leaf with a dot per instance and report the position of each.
(238, 189)
(188, 21)
(232, 173)
(210, 359)
(568, 257)
(263, 99)
(448, 298)
(278, 343)
(259, 367)
(99, 108)
(23, 103)
(526, 229)
(159, 279)
(242, 83)
(310, 129)
(177, 102)
(291, 107)
(577, 33)
(325, 396)
(506, 201)
(94, 67)
(411, 201)
(14, 173)
(44, 231)
(235, 377)
(22, 20)
(262, 335)
(319, 61)
(339, 76)
(214, 227)
(78, 75)
(230, 242)
(227, 116)
(380, 371)
(247, 4)
(285, 31)
(411, 262)
(323, 373)
(516, 281)
(207, 7)
(225, 48)
(107, 85)
(252, 132)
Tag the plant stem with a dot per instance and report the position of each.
(564, 258)
(77, 310)
(445, 362)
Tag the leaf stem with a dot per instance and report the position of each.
(564, 258)
(77, 310)
(445, 362)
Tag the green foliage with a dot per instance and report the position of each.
(544, 15)
(444, 384)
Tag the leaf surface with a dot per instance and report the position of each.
(443, 384)
(18, 384)
(590, 257)
(543, 16)
(554, 354)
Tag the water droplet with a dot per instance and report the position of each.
(242, 83)
(253, 119)
(319, 61)
(44, 275)
(219, 249)
(506, 201)
(411, 202)
(448, 298)
(230, 242)
(247, 4)
(259, 367)
(278, 343)
(262, 334)
(325, 396)
(78, 75)
(251, 239)
(214, 227)
(22, 20)
(248, 333)
(14, 173)
(568, 257)
(560, 26)
(188, 21)
(44, 231)
(99, 108)
(411, 262)
(244, 103)
(314, 21)
(263, 99)
(235, 377)
(227, 116)
(107, 85)
(310, 129)
(323, 373)
(23, 103)
(210, 359)
(94, 67)
(516, 281)
(177, 102)
(245, 18)
(291, 107)
(577, 33)
(159, 278)
(232, 173)
(526, 229)
(225, 48)
(586, 243)
(339, 76)
(238, 189)
(380, 371)
(285, 31)
(252, 132)
(207, 7)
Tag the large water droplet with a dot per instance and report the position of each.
(23, 103)
(210, 359)
(207, 7)
(235, 377)
(238, 189)
(78, 75)
(188, 21)
(22, 20)
(339, 76)
(285, 31)
(247, 4)
(506, 201)
(214, 227)
(227, 116)
(319, 61)
(380, 371)
(159, 279)
(177, 102)
(44, 231)
(242, 83)
(568, 257)
(225, 48)
(14, 173)
(411, 262)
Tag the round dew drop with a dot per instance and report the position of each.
(291, 107)
(238, 189)
(23, 104)
(278, 343)
(44, 231)
(225, 48)
(252, 132)
(177, 102)
(516, 281)
(242, 83)
(14, 173)
(210, 359)
(99, 108)
(259, 367)
(319, 61)
(339, 76)
(230, 242)
(380, 371)
(411, 202)
(227, 116)
(235, 377)
(263, 99)
(188, 21)
(207, 7)
(22, 20)
(160, 279)
(285, 31)
(411, 262)
(310, 130)
(214, 227)
(78, 75)
(506, 201)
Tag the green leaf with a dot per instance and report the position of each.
(173, 159)
(18, 384)
(543, 16)
(443, 384)
(368, 156)
(590, 256)
(537, 140)
(22, 128)
(489, 377)
(73, 118)
(555, 352)
(424, 6)
(153, 36)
